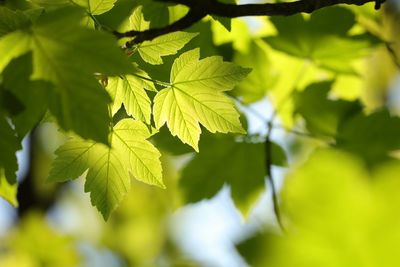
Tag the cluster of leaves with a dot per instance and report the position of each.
(338, 214)
(52, 54)
(341, 205)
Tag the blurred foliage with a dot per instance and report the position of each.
(245, 158)
(28, 244)
(337, 213)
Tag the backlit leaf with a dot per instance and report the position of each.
(196, 96)
(130, 91)
(8, 191)
(168, 44)
(109, 168)
(164, 45)
(57, 42)
(96, 7)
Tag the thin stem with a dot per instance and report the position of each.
(268, 150)
(299, 133)
(268, 161)
(97, 24)
(165, 84)
(393, 54)
(388, 43)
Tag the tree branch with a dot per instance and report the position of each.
(188, 20)
(213, 7)
(198, 9)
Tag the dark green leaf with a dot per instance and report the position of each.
(33, 95)
(11, 20)
(171, 144)
(223, 160)
(9, 145)
(9, 103)
(226, 22)
(327, 44)
(372, 136)
(261, 79)
(58, 43)
(322, 116)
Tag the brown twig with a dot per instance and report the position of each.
(198, 9)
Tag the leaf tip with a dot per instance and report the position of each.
(105, 214)
(195, 146)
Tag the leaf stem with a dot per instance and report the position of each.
(165, 84)
(268, 163)
(97, 24)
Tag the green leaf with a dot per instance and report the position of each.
(51, 3)
(225, 22)
(8, 191)
(108, 178)
(93, 7)
(262, 78)
(11, 21)
(10, 105)
(135, 21)
(164, 45)
(171, 144)
(323, 116)
(155, 12)
(34, 95)
(96, 7)
(371, 136)
(31, 241)
(337, 213)
(58, 42)
(278, 155)
(195, 96)
(256, 248)
(12, 46)
(223, 160)
(130, 91)
(9, 145)
(327, 44)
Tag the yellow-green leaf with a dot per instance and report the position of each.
(96, 7)
(58, 42)
(165, 45)
(196, 96)
(109, 168)
(168, 44)
(130, 91)
(8, 191)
